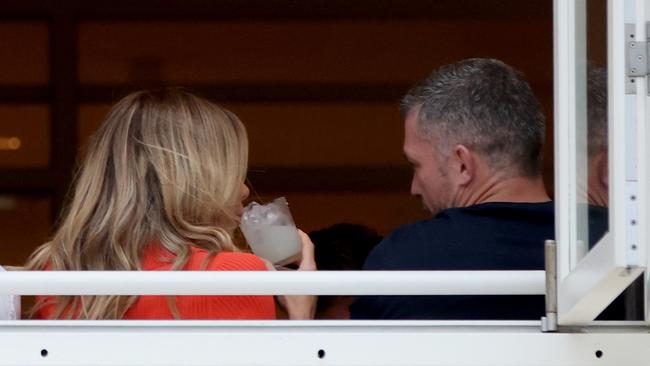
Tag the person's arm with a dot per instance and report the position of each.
(300, 307)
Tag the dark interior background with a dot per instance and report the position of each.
(316, 83)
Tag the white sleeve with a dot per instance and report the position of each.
(9, 305)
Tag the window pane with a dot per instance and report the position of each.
(305, 51)
(24, 53)
(24, 136)
(294, 134)
(591, 125)
(322, 134)
(25, 223)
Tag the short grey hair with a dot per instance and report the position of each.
(485, 105)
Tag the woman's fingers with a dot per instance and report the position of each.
(307, 263)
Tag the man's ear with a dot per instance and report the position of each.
(465, 164)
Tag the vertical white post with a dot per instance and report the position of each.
(564, 105)
(643, 136)
(637, 180)
(625, 113)
(617, 117)
(579, 247)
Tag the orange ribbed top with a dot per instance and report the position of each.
(198, 307)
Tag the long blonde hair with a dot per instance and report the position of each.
(164, 167)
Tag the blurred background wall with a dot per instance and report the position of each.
(317, 84)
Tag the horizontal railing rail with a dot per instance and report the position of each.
(272, 283)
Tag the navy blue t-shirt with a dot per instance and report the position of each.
(488, 236)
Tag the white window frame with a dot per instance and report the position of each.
(581, 292)
(586, 288)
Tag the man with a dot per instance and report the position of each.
(473, 134)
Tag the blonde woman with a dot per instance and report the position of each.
(161, 188)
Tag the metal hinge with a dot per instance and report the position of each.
(636, 57)
(549, 322)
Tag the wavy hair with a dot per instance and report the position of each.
(165, 167)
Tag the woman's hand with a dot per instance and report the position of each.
(307, 261)
(300, 307)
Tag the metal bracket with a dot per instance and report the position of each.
(549, 322)
(636, 58)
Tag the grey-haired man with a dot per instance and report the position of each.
(473, 133)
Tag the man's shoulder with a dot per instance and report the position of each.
(475, 220)
(402, 248)
(421, 228)
(440, 224)
(466, 237)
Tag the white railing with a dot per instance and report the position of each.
(272, 283)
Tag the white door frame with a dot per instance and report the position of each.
(585, 288)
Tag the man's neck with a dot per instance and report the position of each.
(513, 189)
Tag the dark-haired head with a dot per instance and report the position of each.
(341, 247)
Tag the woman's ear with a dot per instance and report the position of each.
(465, 166)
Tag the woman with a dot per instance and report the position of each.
(161, 188)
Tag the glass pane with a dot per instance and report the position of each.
(24, 136)
(25, 223)
(322, 134)
(294, 134)
(591, 125)
(24, 53)
(305, 51)
(89, 119)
